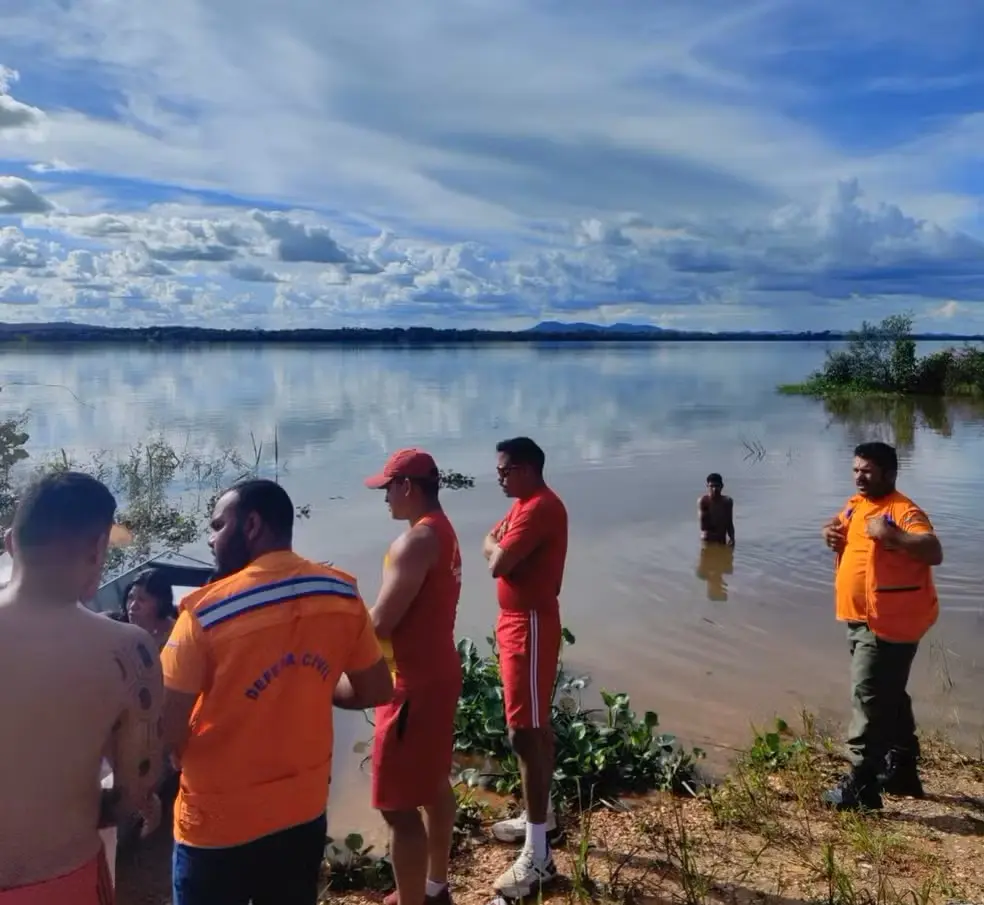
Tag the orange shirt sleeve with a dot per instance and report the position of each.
(184, 658)
(914, 521)
(365, 650)
(527, 529)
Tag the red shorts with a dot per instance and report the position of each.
(529, 653)
(413, 746)
(88, 885)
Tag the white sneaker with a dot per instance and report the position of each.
(514, 829)
(526, 876)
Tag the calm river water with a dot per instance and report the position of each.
(630, 433)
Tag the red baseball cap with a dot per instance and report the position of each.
(405, 463)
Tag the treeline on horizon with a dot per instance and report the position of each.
(61, 333)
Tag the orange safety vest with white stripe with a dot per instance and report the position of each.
(273, 640)
(899, 600)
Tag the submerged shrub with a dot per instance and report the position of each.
(882, 359)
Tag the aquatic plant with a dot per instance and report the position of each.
(601, 753)
(166, 492)
(351, 864)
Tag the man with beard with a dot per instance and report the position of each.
(885, 548)
(256, 660)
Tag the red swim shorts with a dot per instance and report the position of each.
(529, 653)
(90, 884)
(413, 745)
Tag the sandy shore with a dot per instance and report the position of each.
(758, 836)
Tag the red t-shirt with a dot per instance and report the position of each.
(536, 529)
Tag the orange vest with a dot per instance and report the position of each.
(899, 601)
(276, 637)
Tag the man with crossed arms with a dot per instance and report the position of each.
(526, 553)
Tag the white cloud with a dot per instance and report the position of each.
(494, 163)
(221, 261)
(252, 273)
(17, 251)
(296, 242)
(51, 166)
(13, 113)
(947, 310)
(17, 196)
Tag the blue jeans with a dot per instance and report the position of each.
(283, 868)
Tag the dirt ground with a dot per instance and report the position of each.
(759, 837)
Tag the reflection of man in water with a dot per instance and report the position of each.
(716, 561)
(716, 513)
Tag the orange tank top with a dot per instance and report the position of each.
(422, 647)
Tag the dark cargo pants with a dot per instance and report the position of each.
(882, 719)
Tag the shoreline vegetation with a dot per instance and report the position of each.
(639, 823)
(880, 361)
(45, 334)
(759, 835)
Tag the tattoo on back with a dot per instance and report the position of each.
(145, 657)
(139, 730)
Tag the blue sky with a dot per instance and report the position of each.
(699, 163)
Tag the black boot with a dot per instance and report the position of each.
(854, 793)
(901, 777)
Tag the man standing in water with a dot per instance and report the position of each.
(886, 548)
(413, 742)
(251, 670)
(74, 687)
(716, 513)
(526, 553)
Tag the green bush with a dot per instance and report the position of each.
(881, 359)
(600, 754)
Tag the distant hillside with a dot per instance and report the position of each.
(558, 327)
(548, 332)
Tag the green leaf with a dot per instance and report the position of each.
(354, 842)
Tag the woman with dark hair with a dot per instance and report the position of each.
(150, 604)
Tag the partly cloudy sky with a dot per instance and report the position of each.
(693, 163)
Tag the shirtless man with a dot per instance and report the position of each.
(716, 513)
(413, 744)
(74, 687)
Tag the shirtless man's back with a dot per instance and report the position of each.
(716, 513)
(74, 688)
